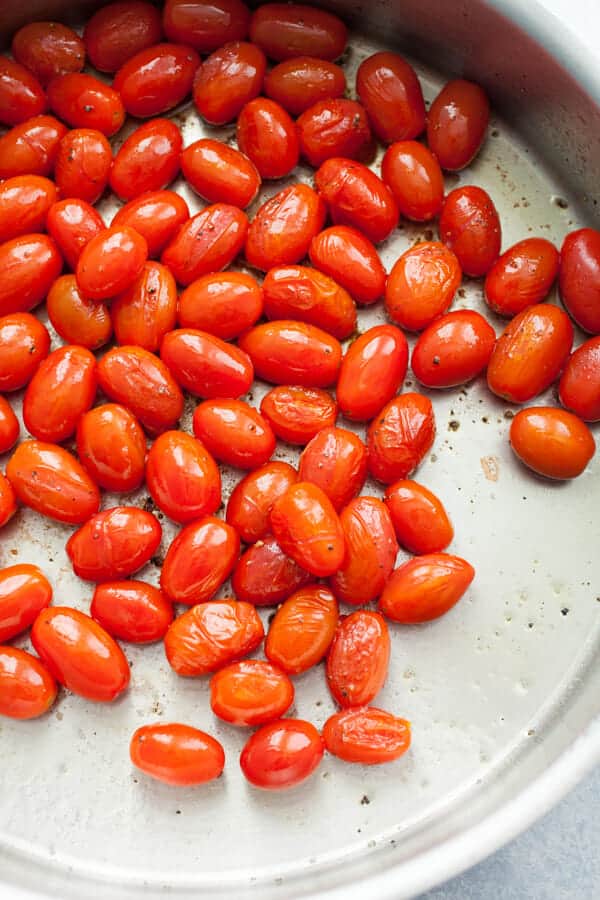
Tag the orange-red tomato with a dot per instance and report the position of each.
(552, 442)
(21, 94)
(390, 91)
(307, 295)
(297, 414)
(351, 259)
(223, 304)
(530, 353)
(523, 275)
(63, 388)
(182, 477)
(371, 550)
(146, 310)
(470, 226)
(303, 628)
(284, 753)
(157, 216)
(425, 588)
(414, 177)
(31, 147)
(368, 736)
(210, 635)
(119, 31)
(457, 122)
(83, 164)
(579, 277)
(27, 689)
(206, 24)
(48, 49)
(86, 102)
(199, 560)
(29, 265)
(372, 372)
(132, 611)
(72, 224)
(336, 461)
(77, 319)
(8, 500)
(208, 242)
(300, 82)
(335, 127)
(24, 592)
(286, 30)
(579, 388)
(288, 352)
(419, 518)
(358, 659)
(9, 426)
(454, 349)
(422, 285)
(250, 692)
(114, 543)
(177, 754)
(205, 365)
(112, 447)
(264, 575)
(234, 432)
(252, 498)
(268, 136)
(24, 343)
(282, 229)
(156, 79)
(111, 262)
(148, 160)
(24, 204)
(356, 196)
(80, 654)
(307, 528)
(219, 172)
(230, 77)
(400, 436)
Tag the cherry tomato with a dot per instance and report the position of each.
(112, 447)
(29, 265)
(211, 635)
(199, 560)
(351, 259)
(523, 275)
(457, 122)
(177, 754)
(530, 353)
(336, 127)
(371, 550)
(250, 692)
(302, 630)
(140, 381)
(306, 295)
(147, 310)
(24, 343)
(27, 689)
(8, 500)
(268, 136)
(454, 349)
(287, 352)
(76, 319)
(422, 285)
(419, 518)
(300, 82)
(251, 500)
(219, 172)
(355, 196)
(470, 226)
(119, 31)
(284, 753)
(156, 79)
(389, 89)
(223, 304)
(552, 442)
(579, 387)
(425, 588)
(286, 30)
(83, 164)
(297, 414)
(182, 477)
(400, 436)
(357, 663)
(414, 177)
(264, 575)
(148, 160)
(9, 427)
(368, 736)
(234, 432)
(114, 543)
(111, 262)
(230, 77)
(24, 204)
(206, 24)
(205, 365)
(206, 243)
(132, 611)
(80, 654)
(48, 49)
(72, 224)
(21, 94)
(86, 102)
(24, 592)
(307, 528)
(63, 388)
(579, 277)
(336, 461)
(282, 229)
(31, 147)
(372, 372)
(157, 216)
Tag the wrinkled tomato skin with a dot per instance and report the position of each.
(72, 224)
(283, 227)
(48, 49)
(206, 243)
(9, 426)
(297, 414)
(422, 285)
(268, 136)
(389, 89)
(264, 575)
(156, 79)
(307, 528)
(24, 343)
(27, 689)
(306, 295)
(350, 258)
(231, 77)
(300, 82)
(80, 654)
(335, 128)
(119, 31)
(286, 30)
(24, 204)
(83, 101)
(176, 754)
(182, 477)
(62, 389)
(24, 592)
(110, 263)
(111, 446)
(234, 432)
(414, 177)
(31, 147)
(206, 24)
(252, 498)
(223, 304)
(114, 543)
(148, 160)
(522, 276)
(282, 754)
(132, 611)
(426, 587)
(371, 550)
(336, 461)
(157, 216)
(470, 226)
(29, 265)
(579, 388)
(457, 123)
(357, 197)
(21, 94)
(288, 352)
(205, 365)
(368, 736)
(399, 437)
(453, 350)
(579, 278)
(199, 560)
(8, 500)
(303, 628)
(220, 173)
(251, 692)
(372, 372)
(83, 164)
(553, 442)
(358, 659)
(419, 518)
(530, 353)
(147, 310)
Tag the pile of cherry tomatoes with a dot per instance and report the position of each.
(302, 540)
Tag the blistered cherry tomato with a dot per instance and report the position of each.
(336, 461)
(287, 352)
(9, 426)
(147, 310)
(157, 216)
(351, 259)
(307, 295)
(224, 304)
(422, 285)
(264, 575)
(48, 49)
(522, 276)
(389, 89)
(284, 753)
(307, 528)
(336, 127)
(368, 736)
(205, 365)
(286, 30)
(400, 436)
(219, 172)
(21, 94)
(250, 692)
(119, 31)
(31, 147)
(72, 224)
(208, 242)
(114, 543)
(156, 79)
(206, 24)
(579, 388)
(425, 588)
(371, 550)
(282, 229)
(112, 447)
(420, 521)
(552, 442)
(579, 277)
(251, 500)
(302, 81)
(83, 164)
(199, 560)
(268, 136)
(177, 754)
(355, 196)
(457, 122)
(132, 611)
(234, 432)
(182, 477)
(27, 689)
(372, 371)
(8, 500)
(24, 204)
(297, 414)
(454, 349)
(230, 77)
(148, 160)
(24, 592)
(29, 265)
(358, 659)
(414, 177)
(470, 226)
(111, 262)
(86, 102)
(24, 343)
(302, 630)
(63, 388)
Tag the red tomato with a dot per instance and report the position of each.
(400, 436)
(234, 432)
(224, 304)
(425, 588)
(454, 349)
(268, 136)
(300, 82)
(335, 127)
(156, 79)
(206, 24)
(9, 427)
(351, 259)
(422, 285)
(297, 414)
(289, 352)
(470, 226)
(286, 30)
(336, 461)
(457, 122)
(414, 177)
(230, 77)
(8, 500)
(24, 204)
(111, 262)
(148, 160)
(48, 49)
(530, 353)
(177, 754)
(211, 635)
(199, 560)
(24, 592)
(63, 388)
(29, 265)
(208, 242)
(83, 164)
(306, 295)
(371, 550)
(114, 543)
(119, 31)
(27, 690)
(251, 500)
(307, 528)
(282, 229)
(355, 196)
(420, 521)
(579, 277)
(80, 654)
(368, 736)
(579, 387)
(552, 442)
(112, 447)
(140, 381)
(372, 372)
(389, 89)
(251, 692)
(21, 94)
(219, 172)
(523, 275)
(264, 575)
(24, 343)
(31, 147)
(282, 754)
(86, 102)
(157, 216)
(132, 611)
(205, 365)
(302, 630)
(72, 224)
(182, 477)
(147, 310)
(358, 659)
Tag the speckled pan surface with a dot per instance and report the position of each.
(497, 690)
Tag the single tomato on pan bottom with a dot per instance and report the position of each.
(176, 754)
(282, 754)
(250, 692)
(425, 588)
(366, 735)
(27, 689)
(552, 442)
(358, 659)
(264, 575)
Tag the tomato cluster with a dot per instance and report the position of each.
(303, 539)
